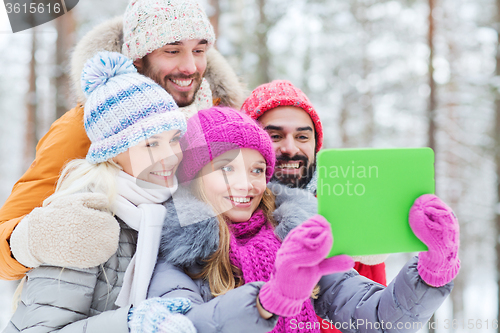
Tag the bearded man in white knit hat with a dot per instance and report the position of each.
(170, 41)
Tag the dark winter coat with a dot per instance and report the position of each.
(192, 235)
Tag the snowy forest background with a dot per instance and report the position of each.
(380, 73)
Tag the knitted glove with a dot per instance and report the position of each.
(71, 231)
(434, 223)
(161, 315)
(300, 264)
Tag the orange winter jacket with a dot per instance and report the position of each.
(66, 140)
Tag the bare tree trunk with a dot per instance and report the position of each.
(367, 101)
(454, 173)
(214, 18)
(306, 69)
(454, 165)
(262, 49)
(497, 160)
(431, 111)
(65, 26)
(344, 116)
(31, 106)
(359, 9)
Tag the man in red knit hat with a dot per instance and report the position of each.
(289, 117)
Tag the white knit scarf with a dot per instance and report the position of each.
(140, 207)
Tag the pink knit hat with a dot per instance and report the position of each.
(281, 93)
(214, 131)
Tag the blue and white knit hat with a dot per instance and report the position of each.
(123, 107)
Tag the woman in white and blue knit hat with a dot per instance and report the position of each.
(134, 126)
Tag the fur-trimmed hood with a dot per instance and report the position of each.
(191, 231)
(108, 36)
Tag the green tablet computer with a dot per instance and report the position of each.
(366, 195)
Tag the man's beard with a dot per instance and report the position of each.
(181, 98)
(294, 181)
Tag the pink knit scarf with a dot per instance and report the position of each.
(253, 250)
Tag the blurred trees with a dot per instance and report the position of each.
(31, 105)
(400, 73)
(50, 74)
(65, 26)
(379, 74)
(497, 149)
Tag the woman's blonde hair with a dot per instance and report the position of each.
(82, 176)
(223, 276)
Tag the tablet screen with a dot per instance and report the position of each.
(366, 195)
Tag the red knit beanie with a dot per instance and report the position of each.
(281, 93)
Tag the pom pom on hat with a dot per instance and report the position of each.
(103, 66)
(123, 107)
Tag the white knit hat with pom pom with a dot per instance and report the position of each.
(123, 107)
(151, 24)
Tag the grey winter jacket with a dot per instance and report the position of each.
(76, 300)
(344, 299)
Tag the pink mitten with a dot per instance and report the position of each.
(300, 264)
(434, 223)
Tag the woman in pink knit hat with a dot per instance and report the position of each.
(295, 128)
(250, 255)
